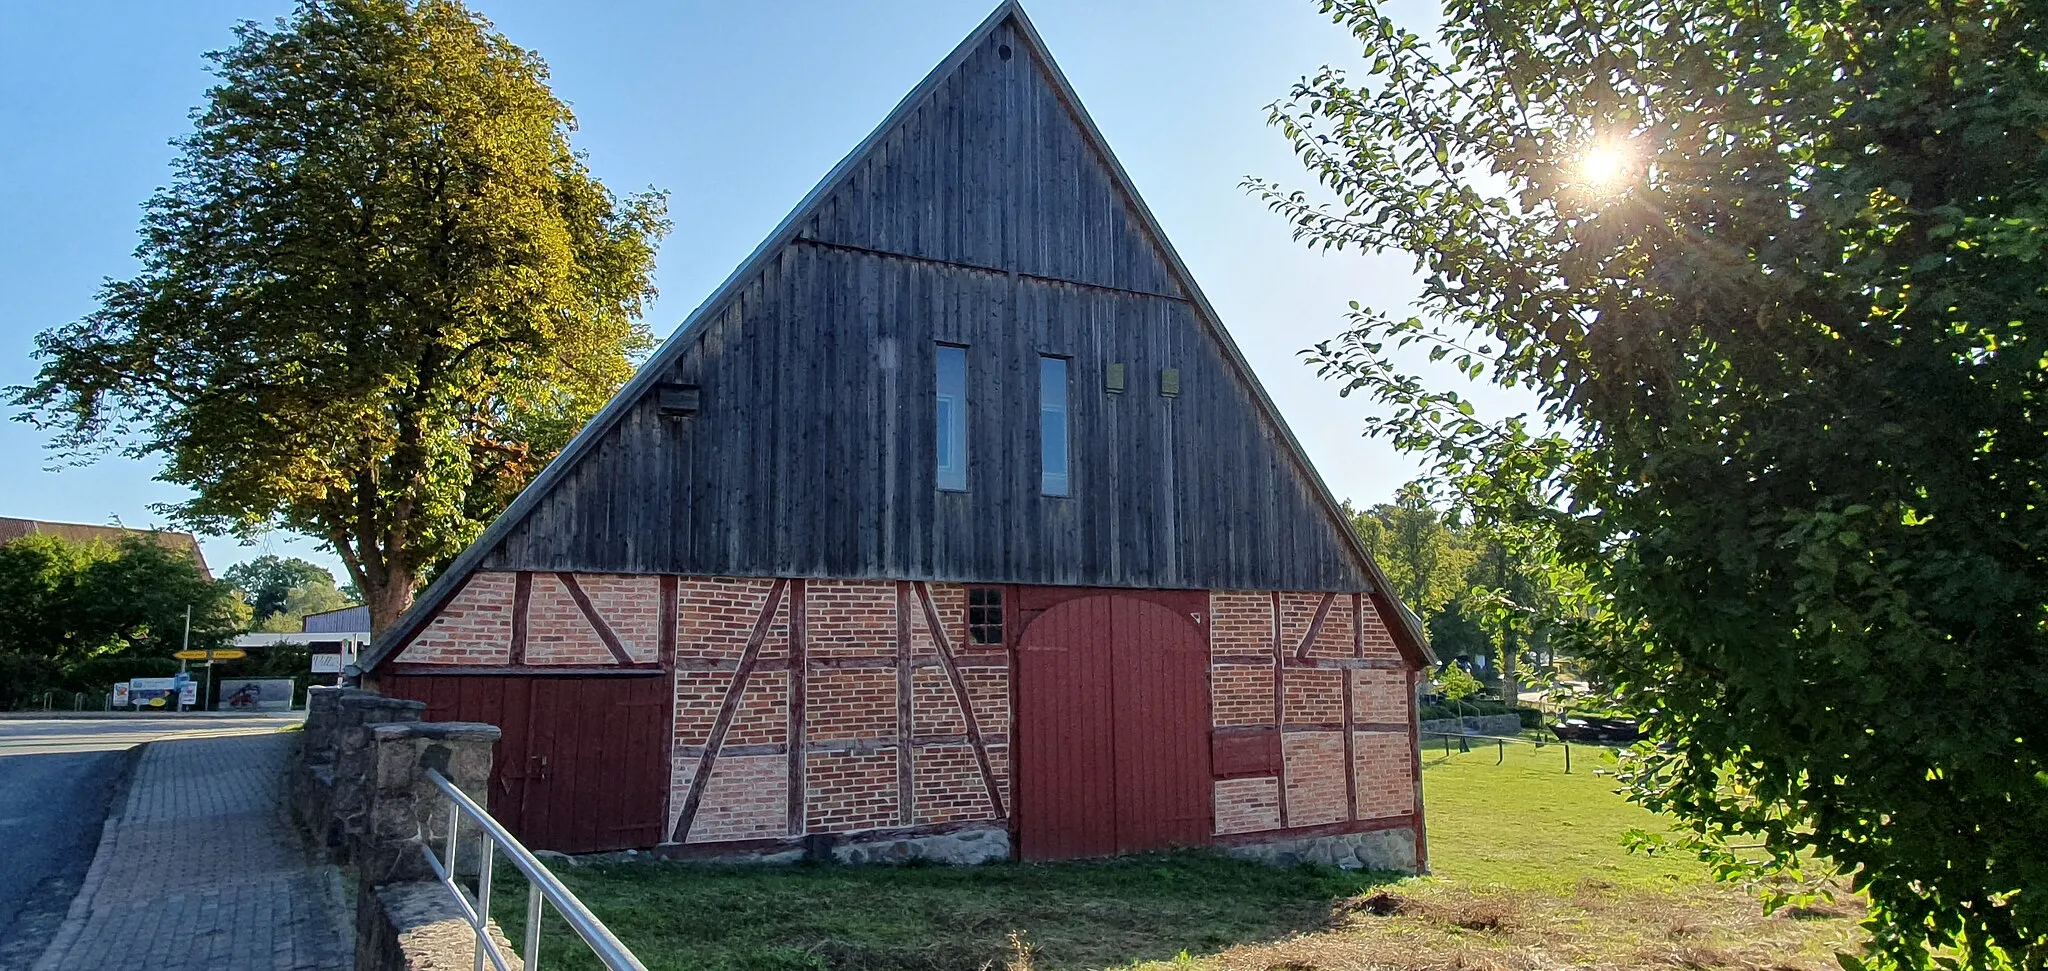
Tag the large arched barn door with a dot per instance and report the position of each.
(1113, 730)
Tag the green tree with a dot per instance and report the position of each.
(1417, 547)
(267, 582)
(311, 598)
(1774, 274)
(78, 616)
(378, 294)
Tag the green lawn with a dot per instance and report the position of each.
(1525, 823)
(1529, 873)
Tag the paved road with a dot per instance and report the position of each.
(41, 736)
(51, 807)
(57, 780)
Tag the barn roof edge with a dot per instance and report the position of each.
(1410, 638)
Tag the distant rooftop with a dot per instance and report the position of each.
(343, 621)
(14, 529)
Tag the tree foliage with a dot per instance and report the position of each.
(1417, 547)
(79, 616)
(1774, 274)
(267, 581)
(378, 294)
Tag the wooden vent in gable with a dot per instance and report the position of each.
(677, 400)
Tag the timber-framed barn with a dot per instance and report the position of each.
(952, 525)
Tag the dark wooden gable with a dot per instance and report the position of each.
(986, 212)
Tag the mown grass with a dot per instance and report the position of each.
(1529, 874)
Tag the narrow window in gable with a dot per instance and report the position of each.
(952, 417)
(1054, 478)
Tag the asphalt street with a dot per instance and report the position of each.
(57, 779)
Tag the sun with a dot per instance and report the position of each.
(1603, 166)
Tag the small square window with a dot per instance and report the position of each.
(985, 615)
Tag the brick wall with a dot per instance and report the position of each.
(1313, 782)
(475, 627)
(854, 745)
(1317, 791)
(1386, 779)
(1240, 623)
(851, 728)
(1247, 805)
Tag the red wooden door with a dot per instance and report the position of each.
(1066, 771)
(1113, 727)
(582, 766)
(1160, 674)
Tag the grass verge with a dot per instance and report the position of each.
(1529, 874)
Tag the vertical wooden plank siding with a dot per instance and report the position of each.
(799, 664)
(727, 709)
(988, 217)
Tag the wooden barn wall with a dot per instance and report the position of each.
(985, 220)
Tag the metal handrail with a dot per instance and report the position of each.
(541, 884)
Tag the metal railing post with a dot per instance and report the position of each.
(542, 886)
(483, 898)
(533, 899)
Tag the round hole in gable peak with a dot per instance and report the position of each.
(1003, 51)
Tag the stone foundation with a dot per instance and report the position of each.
(965, 848)
(1386, 849)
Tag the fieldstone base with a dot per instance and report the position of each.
(1386, 849)
(417, 927)
(960, 849)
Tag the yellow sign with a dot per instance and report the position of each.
(224, 654)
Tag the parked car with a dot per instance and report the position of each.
(1592, 728)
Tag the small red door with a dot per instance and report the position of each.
(582, 766)
(1113, 730)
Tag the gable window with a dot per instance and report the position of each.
(985, 615)
(1052, 427)
(952, 417)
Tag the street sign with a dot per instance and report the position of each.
(327, 664)
(153, 684)
(222, 654)
(188, 693)
(121, 695)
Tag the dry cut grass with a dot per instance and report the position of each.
(1434, 925)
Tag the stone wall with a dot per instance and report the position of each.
(363, 791)
(1474, 725)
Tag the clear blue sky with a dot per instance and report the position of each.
(737, 109)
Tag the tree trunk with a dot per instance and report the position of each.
(389, 596)
(1510, 690)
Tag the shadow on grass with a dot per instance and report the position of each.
(1090, 914)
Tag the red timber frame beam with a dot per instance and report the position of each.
(945, 649)
(727, 710)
